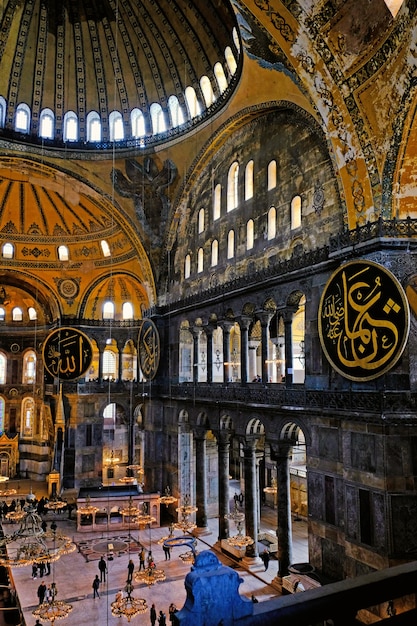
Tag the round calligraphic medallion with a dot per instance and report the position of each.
(363, 320)
(67, 353)
(149, 349)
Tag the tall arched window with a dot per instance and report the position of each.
(233, 186)
(32, 313)
(137, 120)
(272, 175)
(29, 367)
(207, 90)
(192, 102)
(116, 128)
(214, 253)
(2, 412)
(108, 310)
(105, 248)
(22, 118)
(231, 244)
(47, 124)
(272, 222)
(200, 260)
(63, 253)
(70, 126)
(249, 235)
(187, 266)
(8, 251)
(236, 39)
(249, 180)
(109, 364)
(2, 111)
(28, 417)
(220, 77)
(217, 201)
(175, 111)
(93, 126)
(127, 311)
(2, 314)
(201, 215)
(230, 60)
(17, 314)
(3, 369)
(296, 212)
(157, 118)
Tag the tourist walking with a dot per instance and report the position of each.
(96, 585)
(142, 557)
(103, 569)
(265, 558)
(41, 592)
(153, 615)
(130, 569)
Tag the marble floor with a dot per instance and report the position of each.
(74, 575)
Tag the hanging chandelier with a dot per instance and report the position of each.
(167, 498)
(184, 512)
(150, 575)
(51, 611)
(111, 461)
(240, 540)
(128, 606)
(87, 508)
(273, 488)
(55, 505)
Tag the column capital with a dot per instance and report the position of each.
(280, 449)
(244, 321)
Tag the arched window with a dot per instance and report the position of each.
(2, 412)
(117, 132)
(2, 314)
(187, 266)
(217, 201)
(63, 253)
(28, 417)
(22, 118)
(175, 111)
(230, 60)
(105, 248)
(272, 175)
(137, 120)
(296, 212)
(214, 253)
(3, 369)
(93, 127)
(249, 181)
(249, 235)
(2, 111)
(70, 126)
(231, 244)
(46, 124)
(32, 313)
(157, 118)
(236, 39)
(192, 102)
(108, 310)
(29, 367)
(220, 77)
(17, 314)
(109, 364)
(233, 186)
(201, 215)
(200, 261)
(8, 251)
(272, 222)
(207, 90)
(127, 311)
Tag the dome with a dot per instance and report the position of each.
(93, 73)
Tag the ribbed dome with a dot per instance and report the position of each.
(107, 59)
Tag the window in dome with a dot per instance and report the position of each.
(187, 266)
(272, 222)
(108, 310)
(192, 102)
(217, 201)
(29, 368)
(231, 244)
(3, 365)
(137, 120)
(46, 124)
(230, 60)
(207, 90)
(2, 314)
(236, 39)
(220, 77)
(175, 111)
(63, 253)
(116, 126)
(70, 126)
(105, 248)
(93, 126)
(17, 314)
(232, 187)
(127, 311)
(32, 313)
(2, 111)
(214, 253)
(249, 235)
(200, 261)
(22, 119)
(201, 215)
(8, 251)
(249, 181)
(272, 175)
(296, 212)
(157, 117)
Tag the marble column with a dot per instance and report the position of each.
(264, 318)
(280, 455)
(251, 499)
(244, 323)
(200, 479)
(287, 316)
(209, 334)
(226, 327)
(196, 335)
(223, 461)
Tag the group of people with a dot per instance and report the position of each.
(46, 593)
(162, 620)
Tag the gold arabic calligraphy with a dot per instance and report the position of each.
(67, 353)
(149, 349)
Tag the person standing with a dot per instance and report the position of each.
(167, 552)
(162, 619)
(96, 585)
(41, 592)
(153, 615)
(265, 558)
(142, 557)
(130, 568)
(103, 569)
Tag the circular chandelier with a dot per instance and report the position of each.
(55, 505)
(112, 460)
(240, 540)
(87, 508)
(273, 488)
(51, 611)
(128, 606)
(150, 575)
(185, 511)
(167, 498)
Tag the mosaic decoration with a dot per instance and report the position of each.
(363, 320)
